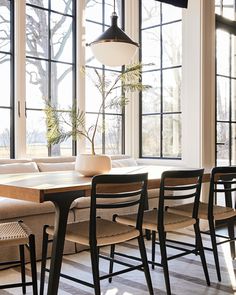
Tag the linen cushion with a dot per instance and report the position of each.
(19, 168)
(11, 208)
(64, 166)
(58, 159)
(123, 163)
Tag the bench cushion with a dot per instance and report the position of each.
(123, 163)
(11, 208)
(64, 166)
(19, 168)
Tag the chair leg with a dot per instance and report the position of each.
(33, 263)
(153, 248)
(200, 249)
(162, 241)
(112, 250)
(22, 264)
(44, 260)
(95, 268)
(214, 248)
(143, 255)
(232, 237)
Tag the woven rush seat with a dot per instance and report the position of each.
(107, 232)
(177, 186)
(118, 191)
(19, 234)
(171, 221)
(221, 207)
(14, 233)
(219, 212)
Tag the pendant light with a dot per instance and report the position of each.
(114, 47)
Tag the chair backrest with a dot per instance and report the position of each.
(180, 185)
(222, 184)
(129, 189)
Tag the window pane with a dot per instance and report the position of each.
(5, 73)
(172, 44)
(93, 96)
(170, 13)
(223, 52)
(113, 134)
(222, 144)
(228, 9)
(94, 10)
(233, 100)
(109, 8)
(63, 6)
(64, 148)
(233, 148)
(5, 133)
(36, 134)
(151, 136)
(172, 136)
(40, 3)
(150, 13)
(171, 90)
(36, 32)
(61, 84)
(61, 34)
(151, 101)
(36, 83)
(223, 98)
(151, 47)
(5, 25)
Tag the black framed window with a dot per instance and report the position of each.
(7, 78)
(110, 135)
(50, 69)
(160, 109)
(225, 83)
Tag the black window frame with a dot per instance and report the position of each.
(11, 107)
(49, 60)
(161, 69)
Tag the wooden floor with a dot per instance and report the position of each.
(186, 275)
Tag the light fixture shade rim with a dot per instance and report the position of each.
(114, 40)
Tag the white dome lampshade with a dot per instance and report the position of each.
(114, 48)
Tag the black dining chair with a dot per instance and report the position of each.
(177, 186)
(219, 209)
(127, 191)
(18, 234)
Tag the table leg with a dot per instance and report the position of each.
(62, 207)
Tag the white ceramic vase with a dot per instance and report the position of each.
(90, 165)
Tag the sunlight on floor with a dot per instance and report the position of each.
(229, 264)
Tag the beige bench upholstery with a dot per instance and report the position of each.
(36, 215)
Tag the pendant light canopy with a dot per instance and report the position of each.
(114, 47)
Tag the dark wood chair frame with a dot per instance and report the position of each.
(31, 248)
(163, 242)
(225, 185)
(141, 194)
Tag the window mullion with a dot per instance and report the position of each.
(20, 91)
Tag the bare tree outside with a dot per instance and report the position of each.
(49, 65)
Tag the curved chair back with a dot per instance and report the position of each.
(128, 189)
(180, 185)
(222, 185)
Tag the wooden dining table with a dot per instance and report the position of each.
(62, 188)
